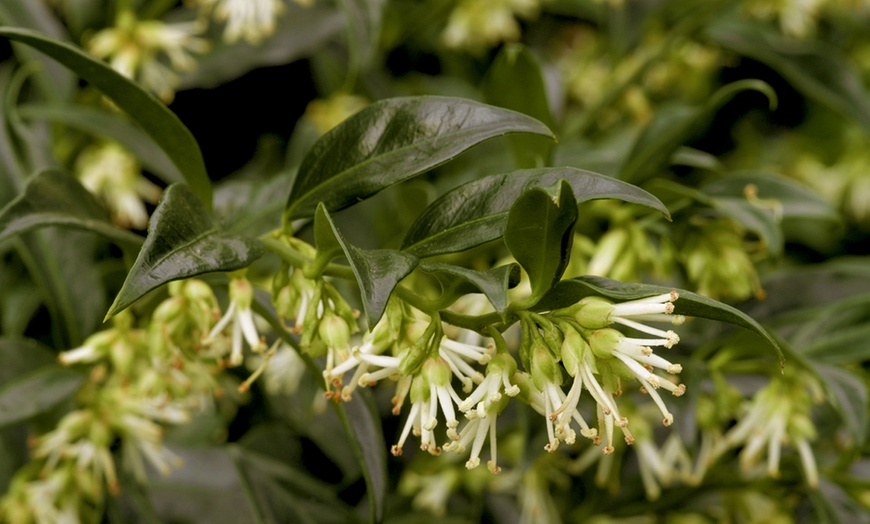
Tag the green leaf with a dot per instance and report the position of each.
(391, 141)
(761, 221)
(477, 212)
(515, 81)
(493, 283)
(155, 119)
(568, 292)
(363, 427)
(37, 392)
(377, 271)
(53, 79)
(673, 126)
(818, 70)
(280, 492)
(363, 21)
(847, 392)
(182, 242)
(539, 235)
(111, 127)
(53, 198)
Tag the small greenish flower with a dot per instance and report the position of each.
(249, 20)
(135, 48)
(112, 174)
(240, 318)
(477, 25)
(777, 415)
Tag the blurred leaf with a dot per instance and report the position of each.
(363, 22)
(282, 493)
(53, 198)
(671, 127)
(36, 392)
(62, 265)
(363, 427)
(816, 69)
(539, 235)
(493, 283)
(568, 292)
(833, 505)
(786, 197)
(763, 222)
(20, 356)
(207, 488)
(160, 123)
(53, 79)
(299, 32)
(182, 242)
(391, 141)
(477, 212)
(515, 81)
(847, 392)
(112, 127)
(377, 271)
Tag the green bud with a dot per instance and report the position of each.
(334, 331)
(603, 342)
(416, 355)
(573, 348)
(437, 371)
(545, 368)
(123, 355)
(594, 313)
(242, 292)
(502, 363)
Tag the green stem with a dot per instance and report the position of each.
(428, 306)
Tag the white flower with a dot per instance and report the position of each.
(778, 414)
(241, 317)
(251, 20)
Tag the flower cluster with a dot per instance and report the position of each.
(136, 49)
(139, 381)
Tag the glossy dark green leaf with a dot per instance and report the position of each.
(182, 242)
(671, 127)
(394, 140)
(818, 70)
(377, 271)
(53, 198)
(37, 392)
(457, 281)
(477, 212)
(301, 31)
(539, 235)
(155, 119)
(112, 127)
(847, 392)
(568, 292)
(515, 81)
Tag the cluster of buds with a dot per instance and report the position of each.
(777, 415)
(140, 380)
(717, 261)
(579, 341)
(477, 25)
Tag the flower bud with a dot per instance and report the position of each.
(603, 342)
(594, 313)
(334, 331)
(545, 368)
